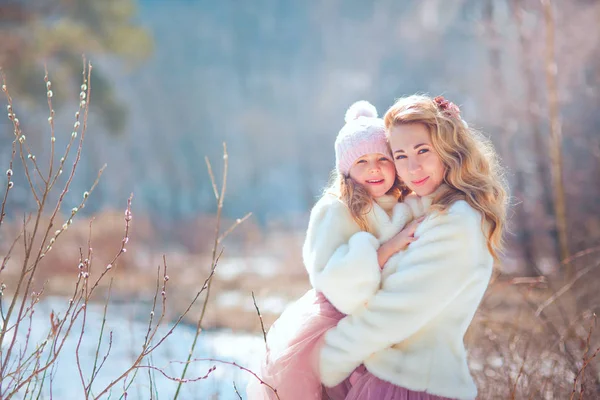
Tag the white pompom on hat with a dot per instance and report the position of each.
(361, 108)
(363, 134)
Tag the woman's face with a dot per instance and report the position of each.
(417, 163)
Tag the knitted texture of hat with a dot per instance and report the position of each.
(363, 134)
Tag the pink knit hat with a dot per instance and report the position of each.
(363, 133)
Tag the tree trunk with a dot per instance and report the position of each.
(591, 389)
(519, 219)
(556, 135)
(546, 238)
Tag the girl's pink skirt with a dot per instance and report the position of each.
(291, 362)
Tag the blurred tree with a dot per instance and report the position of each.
(556, 134)
(505, 125)
(534, 167)
(58, 32)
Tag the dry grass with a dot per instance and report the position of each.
(538, 340)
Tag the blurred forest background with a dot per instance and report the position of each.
(173, 80)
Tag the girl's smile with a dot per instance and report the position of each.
(375, 172)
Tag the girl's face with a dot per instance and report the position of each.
(417, 163)
(375, 172)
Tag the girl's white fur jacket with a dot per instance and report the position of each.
(340, 258)
(410, 333)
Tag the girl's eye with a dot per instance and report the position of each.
(383, 159)
(422, 151)
(361, 161)
(400, 157)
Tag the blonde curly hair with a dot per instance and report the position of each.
(472, 169)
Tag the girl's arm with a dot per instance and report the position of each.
(398, 242)
(448, 264)
(413, 207)
(341, 260)
(385, 252)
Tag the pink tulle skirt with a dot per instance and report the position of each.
(291, 362)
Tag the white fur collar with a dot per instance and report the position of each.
(387, 225)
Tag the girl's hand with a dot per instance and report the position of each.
(399, 242)
(406, 236)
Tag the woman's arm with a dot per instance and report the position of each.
(448, 261)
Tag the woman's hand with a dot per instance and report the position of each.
(399, 242)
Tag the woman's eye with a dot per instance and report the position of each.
(400, 157)
(422, 151)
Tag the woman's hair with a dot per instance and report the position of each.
(357, 198)
(473, 172)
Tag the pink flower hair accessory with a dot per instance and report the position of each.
(447, 107)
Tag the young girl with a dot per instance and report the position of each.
(358, 211)
(409, 335)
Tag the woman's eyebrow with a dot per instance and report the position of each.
(416, 147)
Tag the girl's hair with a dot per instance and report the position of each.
(357, 198)
(473, 172)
